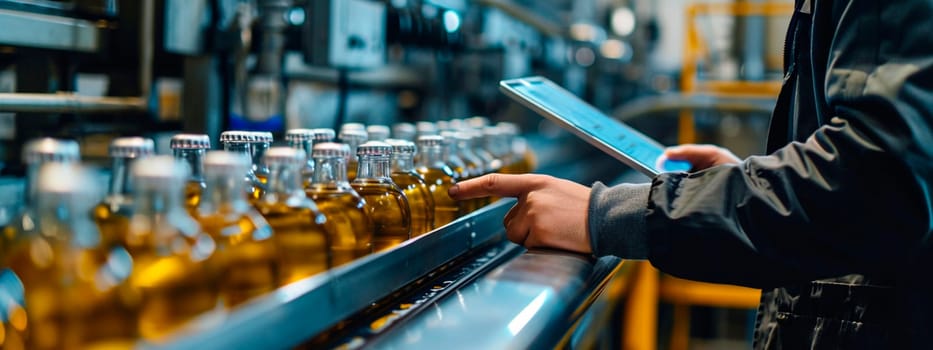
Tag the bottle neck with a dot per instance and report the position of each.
(403, 162)
(374, 167)
(120, 179)
(330, 171)
(284, 182)
(32, 187)
(65, 220)
(224, 194)
(239, 147)
(257, 150)
(432, 157)
(307, 146)
(195, 160)
(160, 217)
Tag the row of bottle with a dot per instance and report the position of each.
(154, 265)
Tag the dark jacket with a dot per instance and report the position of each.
(835, 223)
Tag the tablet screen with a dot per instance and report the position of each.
(608, 134)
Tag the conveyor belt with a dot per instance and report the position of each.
(461, 286)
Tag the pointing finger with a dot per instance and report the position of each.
(500, 185)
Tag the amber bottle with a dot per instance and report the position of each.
(302, 238)
(190, 148)
(71, 281)
(412, 184)
(386, 204)
(241, 142)
(245, 254)
(112, 215)
(343, 207)
(439, 178)
(173, 277)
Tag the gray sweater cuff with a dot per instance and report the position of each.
(616, 220)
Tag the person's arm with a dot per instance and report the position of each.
(854, 198)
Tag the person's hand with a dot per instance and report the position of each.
(700, 156)
(550, 213)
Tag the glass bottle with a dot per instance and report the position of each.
(452, 158)
(475, 165)
(35, 154)
(245, 254)
(386, 205)
(113, 213)
(303, 139)
(322, 135)
(241, 142)
(490, 163)
(424, 128)
(173, 278)
(439, 178)
(412, 184)
(352, 126)
(403, 131)
(261, 142)
(190, 148)
(353, 138)
(492, 142)
(377, 132)
(522, 157)
(71, 281)
(301, 235)
(344, 208)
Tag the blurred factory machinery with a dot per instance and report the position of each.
(92, 70)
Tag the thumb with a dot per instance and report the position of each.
(500, 185)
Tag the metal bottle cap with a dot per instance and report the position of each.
(430, 141)
(378, 132)
(324, 135)
(374, 148)
(159, 172)
(131, 147)
(403, 131)
(190, 141)
(51, 150)
(262, 136)
(293, 136)
(354, 136)
(402, 146)
(68, 183)
(226, 163)
(236, 136)
(352, 126)
(286, 156)
(426, 128)
(331, 149)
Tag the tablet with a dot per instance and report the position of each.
(609, 135)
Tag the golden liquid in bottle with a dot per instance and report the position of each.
(172, 287)
(301, 242)
(446, 209)
(73, 298)
(112, 222)
(193, 191)
(389, 211)
(245, 256)
(351, 229)
(352, 166)
(420, 201)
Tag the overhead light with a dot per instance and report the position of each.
(587, 32)
(622, 21)
(451, 21)
(616, 49)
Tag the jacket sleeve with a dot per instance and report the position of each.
(853, 198)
